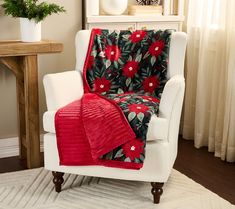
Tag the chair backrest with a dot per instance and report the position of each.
(176, 54)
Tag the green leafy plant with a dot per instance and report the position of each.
(30, 9)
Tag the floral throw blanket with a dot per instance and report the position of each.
(124, 76)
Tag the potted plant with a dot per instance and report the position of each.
(31, 13)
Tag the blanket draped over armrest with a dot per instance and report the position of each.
(124, 75)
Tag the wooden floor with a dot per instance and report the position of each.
(200, 165)
(209, 171)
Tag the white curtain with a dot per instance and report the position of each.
(209, 110)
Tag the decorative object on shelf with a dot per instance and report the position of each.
(145, 10)
(146, 7)
(31, 13)
(148, 2)
(93, 7)
(114, 7)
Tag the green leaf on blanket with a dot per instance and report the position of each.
(97, 74)
(109, 42)
(149, 72)
(141, 157)
(120, 62)
(159, 59)
(133, 46)
(127, 36)
(140, 116)
(164, 54)
(153, 60)
(120, 91)
(131, 116)
(128, 81)
(119, 154)
(128, 42)
(138, 58)
(109, 155)
(108, 63)
(137, 160)
(114, 87)
(126, 48)
(127, 160)
(115, 64)
(94, 53)
(139, 51)
(146, 55)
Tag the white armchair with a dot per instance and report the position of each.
(162, 136)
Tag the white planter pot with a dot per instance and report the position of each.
(114, 7)
(30, 30)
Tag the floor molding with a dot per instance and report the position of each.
(9, 147)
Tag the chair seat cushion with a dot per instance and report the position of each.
(157, 130)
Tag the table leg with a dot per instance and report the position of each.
(15, 64)
(31, 111)
(21, 118)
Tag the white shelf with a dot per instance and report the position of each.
(130, 18)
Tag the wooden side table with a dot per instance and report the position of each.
(21, 59)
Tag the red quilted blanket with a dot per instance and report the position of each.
(124, 75)
(89, 128)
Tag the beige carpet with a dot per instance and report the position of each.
(34, 189)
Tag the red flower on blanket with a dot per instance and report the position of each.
(90, 62)
(151, 99)
(97, 31)
(137, 108)
(150, 83)
(137, 36)
(130, 69)
(112, 52)
(156, 48)
(133, 149)
(101, 85)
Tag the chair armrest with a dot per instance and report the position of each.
(49, 121)
(170, 108)
(62, 88)
(173, 91)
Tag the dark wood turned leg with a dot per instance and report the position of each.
(58, 180)
(156, 191)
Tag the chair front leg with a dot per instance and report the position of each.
(58, 180)
(156, 191)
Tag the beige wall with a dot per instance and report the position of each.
(62, 28)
